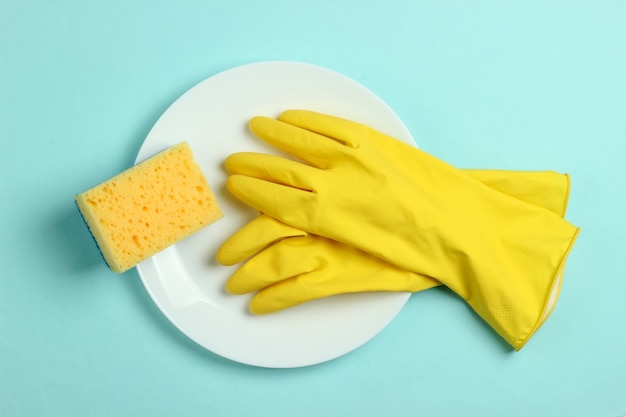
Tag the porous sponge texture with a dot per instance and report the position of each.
(148, 207)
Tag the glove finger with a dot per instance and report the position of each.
(281, 202)
(273, 168)
(304, 269)
(253, 237)
(322, 283)
(290, 293)
(281, 261)
(342, 130)
(315, 149)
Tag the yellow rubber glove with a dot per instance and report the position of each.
(373, 192)
(292, 267)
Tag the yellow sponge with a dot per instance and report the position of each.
(148, 207)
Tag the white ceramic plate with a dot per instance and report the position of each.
(187, 283)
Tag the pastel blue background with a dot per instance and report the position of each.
(520, 85)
